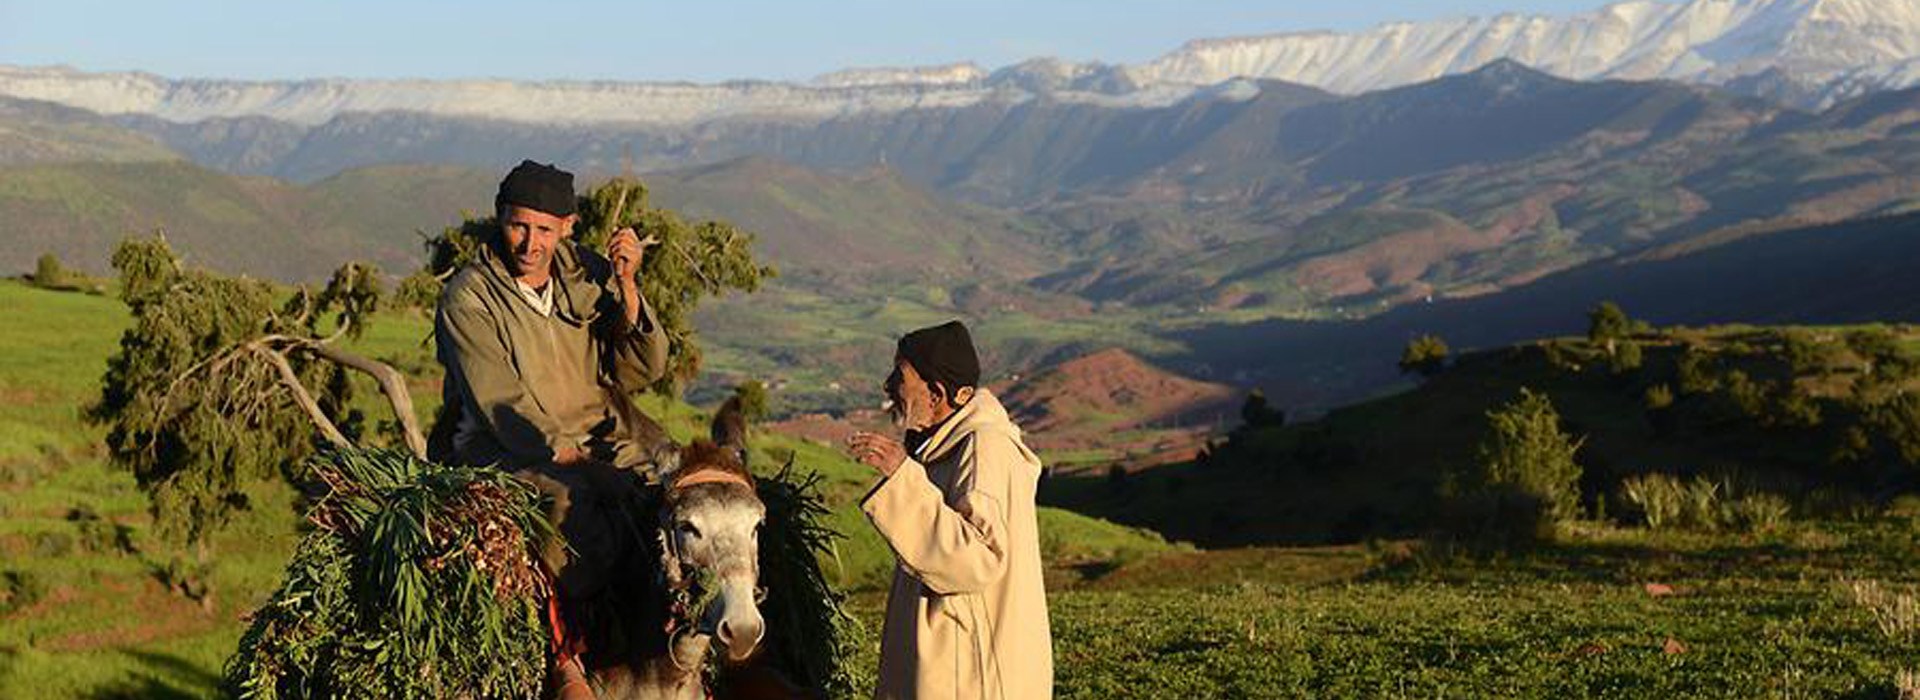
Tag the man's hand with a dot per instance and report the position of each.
(883, 453)
(627, 250)
(570, 457)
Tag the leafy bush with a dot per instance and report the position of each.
(1502, 518)
(1659, 499)
(1627, 357)
(19, 589)
(753, 399)
(1702, 504)
(49, 273)
(1526, 449)
(1256, 413)
(1697, 372)
(1658, 397)
(1607, 324)
(1895, 610)
(1426, 355)
(1759, 512)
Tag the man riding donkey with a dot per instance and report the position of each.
(967, 614)
(541, 339)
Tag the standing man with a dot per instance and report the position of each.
(967, 614)
(539, 338)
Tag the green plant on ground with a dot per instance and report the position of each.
(1658, 497)
(1759, 512)
(1895, 609)
(1526, 449)
(1425, 355)
(18, 590)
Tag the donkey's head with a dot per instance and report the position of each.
(711, 531)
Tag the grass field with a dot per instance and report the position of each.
(1737, 616)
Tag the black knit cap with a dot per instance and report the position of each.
(943, 354)
(537, 186)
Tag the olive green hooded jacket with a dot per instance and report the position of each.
(527, 385)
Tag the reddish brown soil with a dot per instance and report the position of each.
(1110, 400)
(1112, 390)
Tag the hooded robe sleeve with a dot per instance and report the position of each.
(952, 548)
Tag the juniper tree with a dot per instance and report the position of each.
(1607, 325)
(222, 382)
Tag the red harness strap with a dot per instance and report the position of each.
(566, 647)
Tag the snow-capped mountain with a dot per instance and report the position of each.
(1701, 41)
(1811, 52)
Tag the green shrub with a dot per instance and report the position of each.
(49, 273)
(1667, 502)
(1607, 324)
(1256, 413)
(1499, 518)
(1658, 397)
(1526, 449)
(1425, 355)
(1697, 372)
(19, 589)
(1627, 358)
(1759, 512)
(1701, 507)
(1657, 497)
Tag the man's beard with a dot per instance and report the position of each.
(910, 425)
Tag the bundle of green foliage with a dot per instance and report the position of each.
(814, 640)
(418, 581)
(691, 261)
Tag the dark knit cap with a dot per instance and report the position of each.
(943, 354)
(537, 186)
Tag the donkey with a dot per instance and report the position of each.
(686, 577)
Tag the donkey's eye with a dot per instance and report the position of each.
(686, 527)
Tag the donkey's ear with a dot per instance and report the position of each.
(730, 428)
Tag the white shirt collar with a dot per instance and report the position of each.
(541, 299)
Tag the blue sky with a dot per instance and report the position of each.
(649, 40)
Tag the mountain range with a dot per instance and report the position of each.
(1810, 52)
